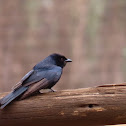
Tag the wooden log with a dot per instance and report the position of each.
(87, 106)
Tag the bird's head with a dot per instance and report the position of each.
(60, 60)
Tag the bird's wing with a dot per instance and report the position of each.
(22, 80)
(31, 77)
(51, 77)
(35, 88)
(50, 73)
(27, 75)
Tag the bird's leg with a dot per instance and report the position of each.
(52, 90)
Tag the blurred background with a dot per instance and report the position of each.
(90, 32)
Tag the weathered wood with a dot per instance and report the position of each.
(89, 106)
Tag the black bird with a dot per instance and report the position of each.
(44, 75)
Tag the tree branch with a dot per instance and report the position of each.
(87, 106)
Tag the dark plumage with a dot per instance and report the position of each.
(44, 75)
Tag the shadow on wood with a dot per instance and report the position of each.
(87, 106)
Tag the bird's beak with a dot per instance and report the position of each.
(68, 60)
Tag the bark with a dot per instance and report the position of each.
(87, 106)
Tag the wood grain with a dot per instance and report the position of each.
(87, 106)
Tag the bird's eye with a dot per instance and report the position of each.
(62, 59)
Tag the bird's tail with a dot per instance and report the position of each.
(13, 95)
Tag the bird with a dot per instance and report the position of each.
(43, 75)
